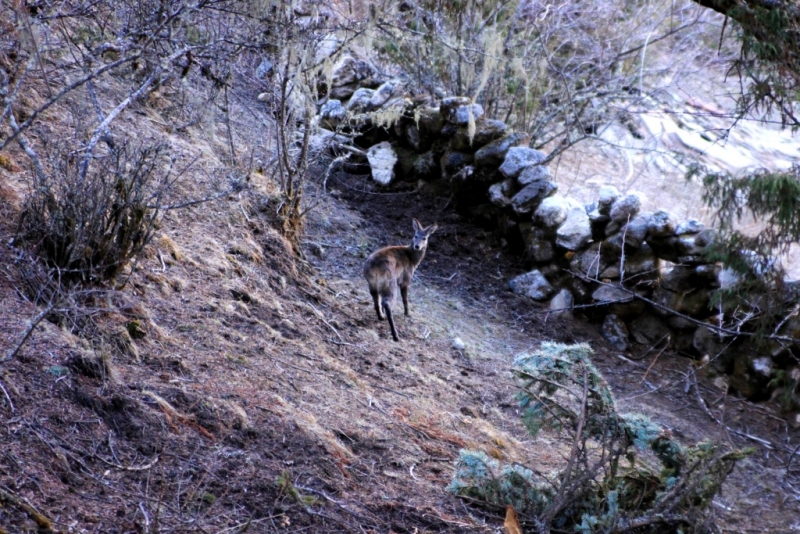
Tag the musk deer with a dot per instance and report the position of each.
(391, 268)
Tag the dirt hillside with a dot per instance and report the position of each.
(259, 393)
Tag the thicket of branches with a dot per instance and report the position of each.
(621, 472)
(559, 71)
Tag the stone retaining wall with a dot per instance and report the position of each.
(643, 273)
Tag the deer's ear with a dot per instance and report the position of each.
(432, 228)
(417, 225)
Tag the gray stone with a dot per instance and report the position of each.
(453, 161)
(615, 332)
(705, 237)
(332, 113)
(632, 234)
(677, 322)
(386, 92)
(518, 158)
(498, 193)
(576, 231)
(540, 250)
(349, 71)
(382, 159)
(360, 101)
(648, 329)
(707, 343)
(641, 264)
(325, 140)
(588, 263)
(626, 207)
(264, 68)
(562, 303)
(486, 131)
(552, 211)
(532, 284)
(609, 293)
(457, 110)
(662, 223)
(534, 173)
(532, 195)
(495, 152)
(606, 197)
(692, 226)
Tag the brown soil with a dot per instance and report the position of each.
(265, 396)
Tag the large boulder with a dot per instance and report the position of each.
(382, 159)
(426, 128)
(576, 231)
(518, 158)
(452, 162)
(532, 284)
(589, 263)
(632, 234)
(532, 195)
(692, 226)
(495, 152)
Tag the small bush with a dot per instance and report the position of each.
(86, 223)
(624, 473)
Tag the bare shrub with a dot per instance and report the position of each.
(85, 227)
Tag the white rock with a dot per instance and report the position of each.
(552, 211)
(576, 230)
(518, 158)
(458, 344)
(562, 302)
(606, 197)
(382, 159)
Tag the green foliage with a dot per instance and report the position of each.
(769, 59)
(771, 199)
(666, 487)
(481, 477)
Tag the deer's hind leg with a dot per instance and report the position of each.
(404, 294)
(376, 299)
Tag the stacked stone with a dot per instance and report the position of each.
(609, 252)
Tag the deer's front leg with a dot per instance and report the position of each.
(404, 294)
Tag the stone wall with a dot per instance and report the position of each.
(644, 274)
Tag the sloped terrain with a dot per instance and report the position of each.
(259, 393)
